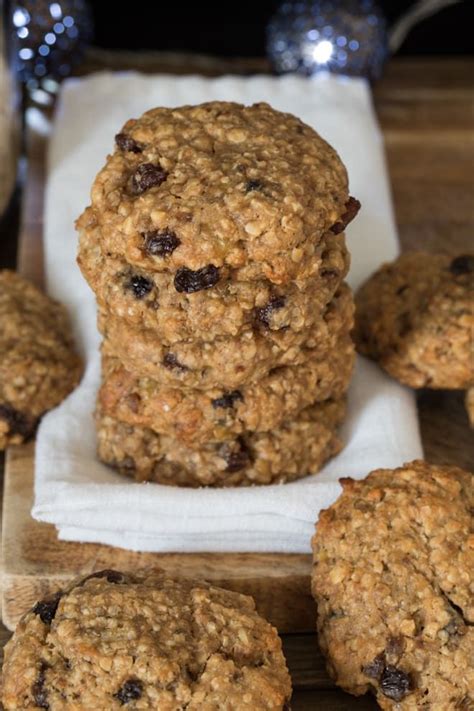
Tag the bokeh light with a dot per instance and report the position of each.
(340, 36)
(50, 39)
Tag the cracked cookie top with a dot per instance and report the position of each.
(115, 640)
(393, 578)
(218, 186)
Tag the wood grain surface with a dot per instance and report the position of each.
(425, 108)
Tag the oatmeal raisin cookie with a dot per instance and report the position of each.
(198, 416)
(415, 316)
(393, 579)
(226, 362)
(38, 362)
(220, 186)
(216, 305)
(294, 449)
(115, 640)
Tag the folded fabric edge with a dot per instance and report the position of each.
(191, 543)
(141, 524)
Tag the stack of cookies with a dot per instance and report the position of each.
(215, 247)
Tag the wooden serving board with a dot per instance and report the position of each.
(424, 108)
(35, 561)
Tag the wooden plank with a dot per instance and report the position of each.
(307, 664)
(445, 431)
(327, 700)
(426, 94)
(433, 206)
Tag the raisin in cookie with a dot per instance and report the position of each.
(220, 186)
(415, 316)
(226, 362)
(199, 416)
(393, 579)
(38, 364)
(214, 304)
(114, 640)
(294, 449)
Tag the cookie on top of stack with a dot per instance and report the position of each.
(215, 247)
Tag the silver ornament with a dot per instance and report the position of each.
(340, 36)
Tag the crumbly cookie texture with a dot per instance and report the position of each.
(115, 640)
(38, 363)
(220, 185)
(214, 307)
(393, 579)
(226, 362)
(199, 416)
(215, 246)
(295, 449)
(415, 316)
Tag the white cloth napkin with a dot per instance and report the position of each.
(88, 501)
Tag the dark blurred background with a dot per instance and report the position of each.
(238, 28)
(231, 29)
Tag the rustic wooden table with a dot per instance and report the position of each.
(426, 108)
